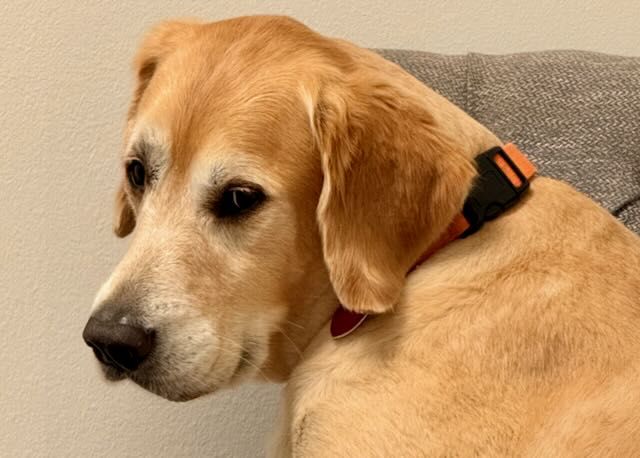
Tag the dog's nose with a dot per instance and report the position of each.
(121, 345)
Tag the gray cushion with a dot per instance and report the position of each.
(575, 114)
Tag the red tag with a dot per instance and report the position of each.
(344, 322)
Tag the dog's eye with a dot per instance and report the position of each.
(136, 174)
(237, 200)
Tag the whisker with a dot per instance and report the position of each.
(296, 348)
(244, 350)
(294, 324)
(228, 339)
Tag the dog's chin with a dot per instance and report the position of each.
(185, 386)
(174, 393)
(171, 388)
(156, 385)
(112, 374)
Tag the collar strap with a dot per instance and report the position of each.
(503, 176)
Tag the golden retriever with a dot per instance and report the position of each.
(271, 173)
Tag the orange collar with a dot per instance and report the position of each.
(503, 176)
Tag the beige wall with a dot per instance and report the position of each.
(64, 85)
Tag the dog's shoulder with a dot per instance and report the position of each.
(508, 321)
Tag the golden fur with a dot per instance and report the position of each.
(522, 340)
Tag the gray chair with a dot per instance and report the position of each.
(575, 114)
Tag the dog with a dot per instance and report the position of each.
(270, 174)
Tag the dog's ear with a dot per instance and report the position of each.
(393, 182)
(160, 41)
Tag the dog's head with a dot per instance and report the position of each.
(268, 173)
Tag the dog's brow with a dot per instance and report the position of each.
(217, 175)
(218, 169)
(208, 181)
(148, 148)
(141, 149)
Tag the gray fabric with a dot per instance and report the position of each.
(576, 114)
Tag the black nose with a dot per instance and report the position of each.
(121, 345)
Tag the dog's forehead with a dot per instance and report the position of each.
(214, 160)
(214, 124)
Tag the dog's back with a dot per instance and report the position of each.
(520, 340)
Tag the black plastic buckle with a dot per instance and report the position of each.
(493, 192)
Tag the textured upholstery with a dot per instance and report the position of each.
(575, 114)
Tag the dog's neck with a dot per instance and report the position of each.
(314, 313)
(298, 329)
(310, 321)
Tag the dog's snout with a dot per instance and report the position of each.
(124, 346)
